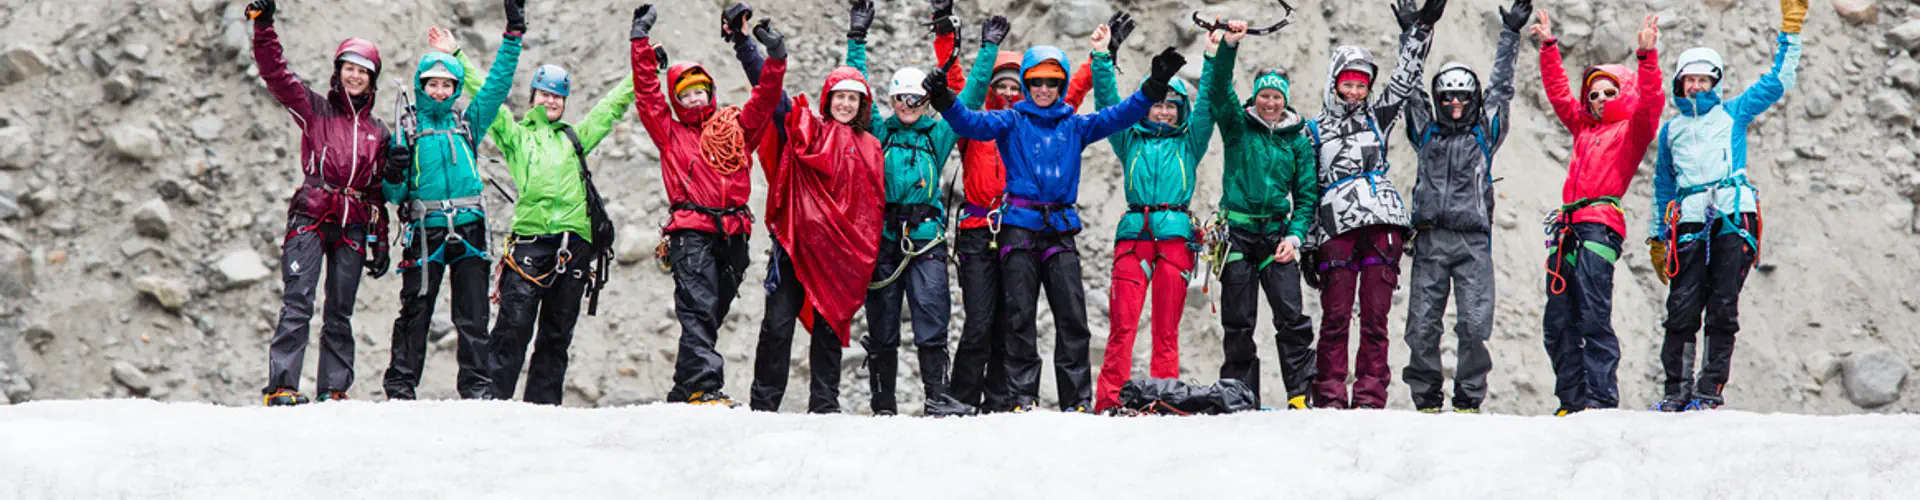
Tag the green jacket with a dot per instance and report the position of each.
(552, 199)
(1160, 161)
(1264, 165)
(443, 159)
(916, 155)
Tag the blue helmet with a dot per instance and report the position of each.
(552, 79)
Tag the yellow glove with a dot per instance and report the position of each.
(1659, 254)
(1792, 13)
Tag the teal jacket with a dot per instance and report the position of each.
(443, 150)
(1270, 172)
(1160, 161)
(916, 155)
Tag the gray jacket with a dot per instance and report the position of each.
(1454, 188)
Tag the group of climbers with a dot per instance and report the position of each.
(859, 204)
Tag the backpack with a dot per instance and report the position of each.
(600, 225)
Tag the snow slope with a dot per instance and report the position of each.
(484, 450)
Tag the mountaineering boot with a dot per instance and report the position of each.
(332, 396)
(1297, 403)
(1467, 411)
(1704, 403)
(1566, 411)
(715, 398)
(883, 367)
(1430, 411)
(933, 372)
(285, 396)
(1669, 405)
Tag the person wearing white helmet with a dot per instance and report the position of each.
(1456, 130)
(1706, 215)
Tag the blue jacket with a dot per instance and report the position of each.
(1702, 159)
(1041, 146)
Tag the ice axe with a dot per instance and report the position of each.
(1219, 24)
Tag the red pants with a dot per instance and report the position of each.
(1169, 260)
(1368, 259)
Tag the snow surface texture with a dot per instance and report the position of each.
(483, 450)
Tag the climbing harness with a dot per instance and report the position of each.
(1558, 226)
(908, 216)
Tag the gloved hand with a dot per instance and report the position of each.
(1658, 251)
(643, 18)
(261, 12)
(938, 93)
(1405, 14)
(1431, 11)
(1792, 14)
(775, 42)
(994, 30)
(1516, 18)
(1121, 24)
(517, 16)
(943, 17)
(1310, 268)
(399, 159)
(380, 262)
(733, 22)
(860, 20)
(1165, 66)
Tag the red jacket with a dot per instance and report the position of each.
(342, 146)
(1606, 149)
(984, 176)
(688, 173)
(824, 204)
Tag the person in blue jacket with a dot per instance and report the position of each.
(1706, 215)
(1041, 139)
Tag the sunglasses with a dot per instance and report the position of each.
(1450, 97)
(1052, 83)
(1597, 94)
(912, 101)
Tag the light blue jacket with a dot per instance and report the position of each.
(1702, 161)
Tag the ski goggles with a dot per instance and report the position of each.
(910, 100)
(1050, 83)
(1456, 96)
(1607, 93)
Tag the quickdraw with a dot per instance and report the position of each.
(1286, 19)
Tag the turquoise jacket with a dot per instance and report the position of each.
(443, 149)
(1702, 160)
(1160, 161)
(916, 155)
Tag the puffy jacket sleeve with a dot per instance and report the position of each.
(978, 125)
(1651, 99)
(1112, 120)
(281, 82)
(857, 58)
(1414, 45)
(1226, 101)
(1082, 82)
(1305, 187)
(766, 100)
(649, 97)
(599, 121)
(1559, 91)
(1200, 119)
(754, 63)
(1106, 94)
(1499, 101)
(974, 94)
(1665, 188)
(488, 100)
(1773, 85)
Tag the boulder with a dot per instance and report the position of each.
(20, 63)
(153, 219)
(1857, 11)
(1906, 35)
(134, 142)
(132, 378)
(241, 268)
(1891, 106)
(17, 148)
(1874, 376)
(170, 294)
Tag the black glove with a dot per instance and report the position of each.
(1405, 14)
(643, 18)
(1165, 66)
(1430, 13)
(1516, 18)
(860, 20)
(938, 92)
(1120, 26)
(1310, 268)
(776, 43)
(733, 22)
(943, 17)
(377, 267)
(261, 11)
(994, 30)
(399, 159)
(660, 58)
(517, 16)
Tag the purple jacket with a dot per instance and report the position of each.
(342, 145)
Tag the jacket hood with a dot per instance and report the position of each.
(1185, 102)
(686, 115)
(1346, 58)
(1621, 108)
(1005, 61)
(1697, 105)
(861, 119)
(445, 61)
(1041, 54)
(1441, 113)
(366, 49)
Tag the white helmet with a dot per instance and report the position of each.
(908, 81)
(1455, 77)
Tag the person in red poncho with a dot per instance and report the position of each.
(824, 198)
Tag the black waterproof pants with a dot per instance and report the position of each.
(301, 268)
(1579, 318)
(551, 300)
(980, 364)
(923, 286)
(1033, 260)
(466, 271)
(784, 303)
(1712, 270)
(707, 271)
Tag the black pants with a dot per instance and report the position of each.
(923, 285)
(1579, 318)
(301, 268)
(1712, 271)
(420, 288)
(707, 270)
(770, 361)
(980, 364)
(1051, 260)
(1246, 273)
(553, 304)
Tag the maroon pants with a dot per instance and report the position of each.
(1367, 259)
(1169, 261)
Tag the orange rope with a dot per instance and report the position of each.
(1672, 265)
(722, 142)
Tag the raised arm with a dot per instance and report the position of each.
(281, 82)
(1649, 85)
(488, 100)
(768, 103)
(1082, 83)
(1499, 101)
(1200, 119)
(1407, 73)
(857, 58)
(649, 97)
(1419, 114)
(1553, 76)
(1112, 120)
(1784, 75)
(611, 108)
(1226, 101)
(980, 77)
(1106, 95)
